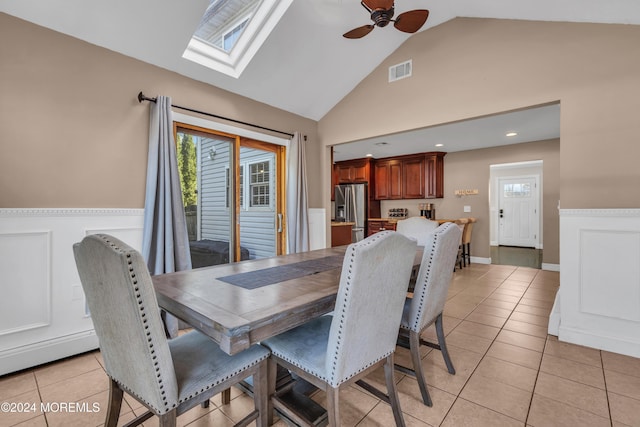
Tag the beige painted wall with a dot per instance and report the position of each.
(73, 132)
(468, 68)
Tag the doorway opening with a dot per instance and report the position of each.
(516, 213)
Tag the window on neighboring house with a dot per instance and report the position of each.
(260, 185)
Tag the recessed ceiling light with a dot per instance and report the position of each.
(382, 143)
(439, 145)
(369, 155)
(512, 134)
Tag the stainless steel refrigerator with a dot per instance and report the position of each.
(351, 206)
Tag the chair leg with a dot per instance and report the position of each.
(467, 251)
(443, 345)
(333, 406)
(464, 255)
(115, 403)
(414, 349)
(272, 370)
(392, 391)
(168, 419)
(226, 396)
(261, 394)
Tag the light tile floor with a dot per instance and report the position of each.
(509, 372)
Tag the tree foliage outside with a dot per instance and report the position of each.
(188, 170)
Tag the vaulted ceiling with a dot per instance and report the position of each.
(305, 66)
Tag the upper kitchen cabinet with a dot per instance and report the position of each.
(388, 177)
(415, 176)
(434, 168)
(352, 171)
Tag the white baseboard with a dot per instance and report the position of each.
(550, 267)
(621, 345)
(38, 353)
(480, 260)
(554, 317)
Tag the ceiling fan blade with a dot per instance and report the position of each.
(378, 4)
(411, 21)
(359, 32)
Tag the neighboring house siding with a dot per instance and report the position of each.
(214, 214)
(257, 227)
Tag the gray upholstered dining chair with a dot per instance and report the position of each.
(416, 227)
(360, 336)
(427, 304)
(169, 377)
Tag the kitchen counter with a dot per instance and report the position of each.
(390, 220)
(339, 224)
(395, 220)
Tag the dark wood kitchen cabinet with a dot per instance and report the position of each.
(434, 169)
(378, 225)
(353, 171)
(413, 177)
(388, 177)
(341, 233)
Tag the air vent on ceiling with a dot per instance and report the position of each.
(400, 71)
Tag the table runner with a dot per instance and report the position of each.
(269, 276)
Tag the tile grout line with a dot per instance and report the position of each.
(606, 390)
(487, 350)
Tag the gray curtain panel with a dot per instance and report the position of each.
(297, 201)
(165, 243)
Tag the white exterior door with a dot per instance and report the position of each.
(518, 211)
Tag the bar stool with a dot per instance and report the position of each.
(466, 241)
(462, 224)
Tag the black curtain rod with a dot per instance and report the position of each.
(141, 98)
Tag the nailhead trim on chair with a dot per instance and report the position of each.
(294, 362)
(436, 235)
(221, 380)
(143, 317)
(347, 288)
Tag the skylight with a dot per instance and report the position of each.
(232, 31)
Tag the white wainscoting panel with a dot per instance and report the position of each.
(618, 269)
(43, 315)
(317, 228)
(26, 271)
(598, 304)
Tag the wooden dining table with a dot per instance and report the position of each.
(243, 303)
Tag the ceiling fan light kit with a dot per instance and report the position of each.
(382, 12)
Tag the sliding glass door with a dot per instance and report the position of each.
(232, 192)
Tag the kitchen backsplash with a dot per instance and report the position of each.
(411, 205)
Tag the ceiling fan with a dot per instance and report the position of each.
(382, 13)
